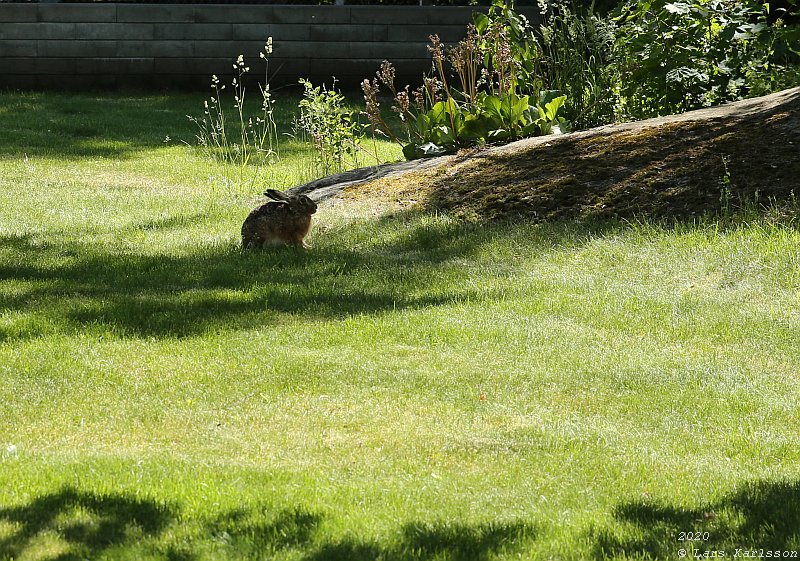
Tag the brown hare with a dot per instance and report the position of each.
(284, 220)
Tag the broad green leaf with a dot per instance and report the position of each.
(423, 123)
(431, 149)
(481, 22)
(498, 135)
(473, 128)
(492, 104)
(685, 74)
(442, 134)
(411, 152)
(450, 106)
(546, 96)
(438, 113)
(678, 8)
(551, 108)
(427, 150)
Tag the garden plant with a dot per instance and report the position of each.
(504, 81)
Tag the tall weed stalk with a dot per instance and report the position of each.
(245, 143)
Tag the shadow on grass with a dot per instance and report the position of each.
(73, 126)
(760, 515)
(70, 285)
(108, 125)
(71, 525)
(440, 542)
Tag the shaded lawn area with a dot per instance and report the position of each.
(104, 125)
(124, 526)
(416, 387)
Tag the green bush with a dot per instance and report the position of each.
(333, 129)
(677, 56)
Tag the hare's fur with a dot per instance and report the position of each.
(285, 220)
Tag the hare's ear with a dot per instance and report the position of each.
(276, 195)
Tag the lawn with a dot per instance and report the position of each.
(416, 387)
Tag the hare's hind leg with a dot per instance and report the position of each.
(299, 241)
(253, 242)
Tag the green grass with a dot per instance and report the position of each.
(164, 395)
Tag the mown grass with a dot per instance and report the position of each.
(414, 388)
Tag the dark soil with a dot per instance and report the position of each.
(671, 169)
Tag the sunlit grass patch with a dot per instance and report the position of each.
(415, 387)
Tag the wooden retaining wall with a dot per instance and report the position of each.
(83, 46)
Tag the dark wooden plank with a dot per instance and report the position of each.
(18, 65)
(416, 33)
(451, 15)
(202, 31)
(230, 49)
(381, 50)
(363, 67)
(114, 31)
(47, 65)
(37, 30)
(114, 66)
(377, 50)
(260, 32)
(312, 15)
(155, 13)
(173, 49)
(18, 48)
(196, 66)
(377, 32)
(20, 81)
(76, 48)
(251, 13)
(390, 14)
(88, 13)
(36, 65)
(89, 82)
(18, 13)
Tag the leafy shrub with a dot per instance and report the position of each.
(333, 128)
(500, 96)
(681, 55)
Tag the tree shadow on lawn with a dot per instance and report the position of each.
(75, 286)
(70, 525)
(104, 125)
(74, 126)
(416, 541)
(439, 542)
(75, 525)
(758, 515)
